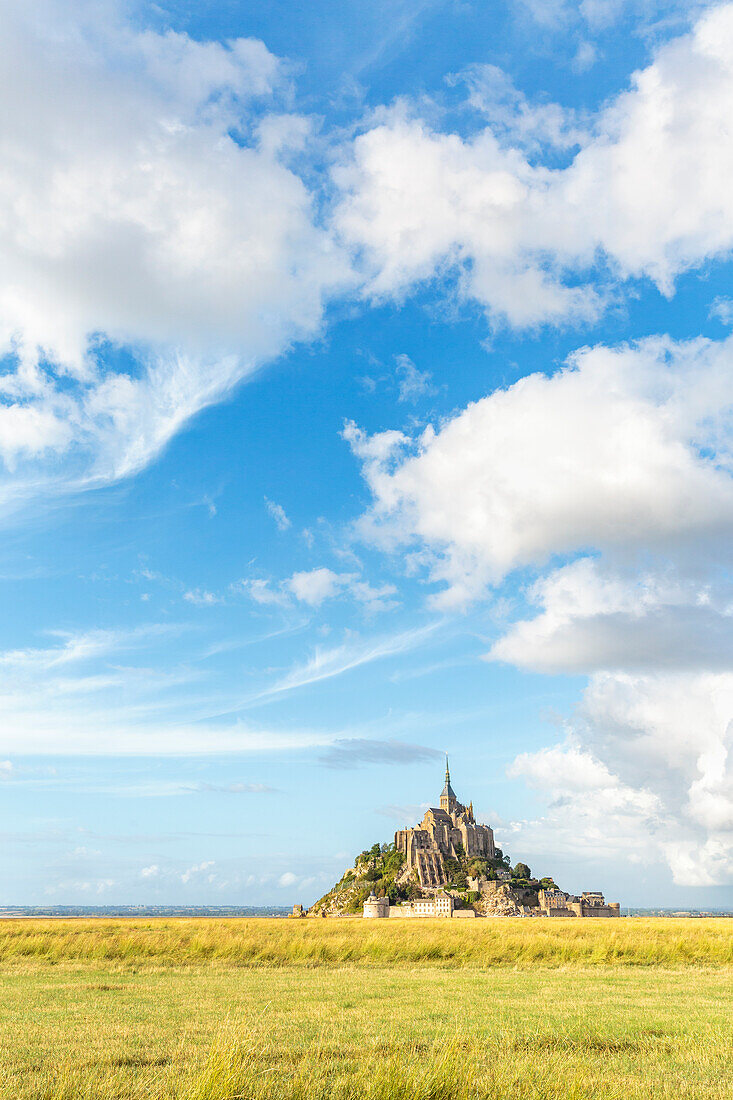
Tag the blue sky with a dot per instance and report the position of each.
(365, 395)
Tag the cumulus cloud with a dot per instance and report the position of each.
(654, 726)
(156, 249)
(315, 586)
(198, 871)
(624, 449)
(652, 769)
(514, 118)
(524, 238)
(595, 618)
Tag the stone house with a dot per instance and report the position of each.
(555, 903)
(441, 905)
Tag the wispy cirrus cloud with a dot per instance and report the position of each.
(81, 697)
(327, 663)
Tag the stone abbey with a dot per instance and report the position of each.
(449, 866)
(447, 831)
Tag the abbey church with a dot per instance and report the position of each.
(445, 832)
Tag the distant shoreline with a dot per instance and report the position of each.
(60, 912)
(102, 911)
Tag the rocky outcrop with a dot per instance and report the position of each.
(498, 900)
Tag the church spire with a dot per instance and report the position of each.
(448, 799)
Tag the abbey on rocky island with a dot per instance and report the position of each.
(446, 832)
(449, 866)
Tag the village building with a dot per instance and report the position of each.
(447, 831)
(441, 905)
(555, 903)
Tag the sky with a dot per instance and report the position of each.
(365, 395)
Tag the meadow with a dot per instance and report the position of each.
(345, 1009)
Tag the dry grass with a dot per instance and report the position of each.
(146, 1010)
(636, 941)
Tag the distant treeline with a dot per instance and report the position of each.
(144, 911)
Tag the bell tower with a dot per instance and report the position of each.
(448, 800)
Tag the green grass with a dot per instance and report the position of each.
(275, 1010)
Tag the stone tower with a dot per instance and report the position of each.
(448, 800)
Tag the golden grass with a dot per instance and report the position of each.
(203, 1010)
(636, 941)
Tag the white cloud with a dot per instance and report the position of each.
(655, 771)
(565, 769)
(79, 647)
(287, 879)
(412, 383)
(278, 514)
(88, 886)
(416, 203)
(150, 872)
(722, 310)
(316, 585)
(562, 15)
(143, 224)
(201, 597)
(649, 768)
(105, 693)
(374, 597)
(623, 450)
(592, 816)
(518, 234)
(261, 591)
(197, 871)
(327, 663)
(6, 769)
(595, 618)
(513, 118)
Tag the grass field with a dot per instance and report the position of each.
(213, 1010)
